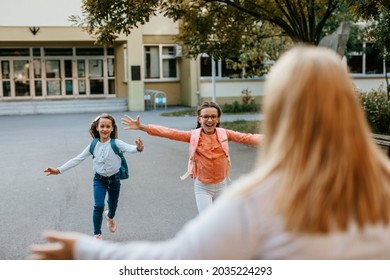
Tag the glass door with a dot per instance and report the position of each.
(5, 78)
(37, 77)
(96, 78)
(81, 83)
(21, 77)
(68, 70)
(111, 75)
(53, 77)
(57, 72)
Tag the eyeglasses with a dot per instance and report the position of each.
(206, 117)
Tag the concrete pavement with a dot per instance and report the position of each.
(154, 203)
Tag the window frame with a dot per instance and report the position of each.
(220, 71)
(364, 56)
(161, 58)
(68, 81)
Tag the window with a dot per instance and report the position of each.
(89, 51)
(58, 51)
(14, 52)
(228, 71)
(367, 62)
(160, 62)
(205, 67)
(152, 61)
(51, 72)
(126, 65)
(221, 68)
(169, 62)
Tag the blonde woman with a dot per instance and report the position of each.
(320, 189)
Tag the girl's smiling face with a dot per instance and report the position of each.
(104, 128)
(208, 119)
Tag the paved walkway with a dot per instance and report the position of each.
(154, 204)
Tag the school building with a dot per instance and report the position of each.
(42, 58)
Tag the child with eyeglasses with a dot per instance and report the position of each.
(209, 160)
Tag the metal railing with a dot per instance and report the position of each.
(155, 99)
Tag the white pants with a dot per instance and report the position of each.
(205, 194)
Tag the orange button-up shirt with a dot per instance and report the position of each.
(210, 162)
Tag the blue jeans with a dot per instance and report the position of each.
(101, 186)
(205, 194)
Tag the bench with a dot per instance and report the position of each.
(382, 140)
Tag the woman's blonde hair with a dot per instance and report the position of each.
(318, 141)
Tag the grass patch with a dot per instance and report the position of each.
(180, 113)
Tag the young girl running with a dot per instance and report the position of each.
(106, 164)
(209, 152)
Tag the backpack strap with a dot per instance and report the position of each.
(112, 142)
(194, 140)
(115, 147)
(124, 170)
(223, 139)
(92, 146)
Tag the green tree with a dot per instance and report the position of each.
(259, 50)
(225, 32)
(376, 14)
(253, 31)
(300, 20)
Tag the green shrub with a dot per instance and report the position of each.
(376, 106)
(247, 97)
(248, 104)
(236, 107)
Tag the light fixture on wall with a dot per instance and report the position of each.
(34, 30)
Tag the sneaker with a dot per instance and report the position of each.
(97, 236)
(110, 222)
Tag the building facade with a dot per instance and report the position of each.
(52, 61)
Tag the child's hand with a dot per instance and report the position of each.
(131, 123)
(140, 144)
(51, 171)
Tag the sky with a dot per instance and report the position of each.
(38, 12)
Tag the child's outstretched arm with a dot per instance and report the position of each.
(51, 171)
(140, 144)
(135, 124)
(156, 130)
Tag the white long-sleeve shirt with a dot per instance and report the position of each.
(246, 227)
(105, 162)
